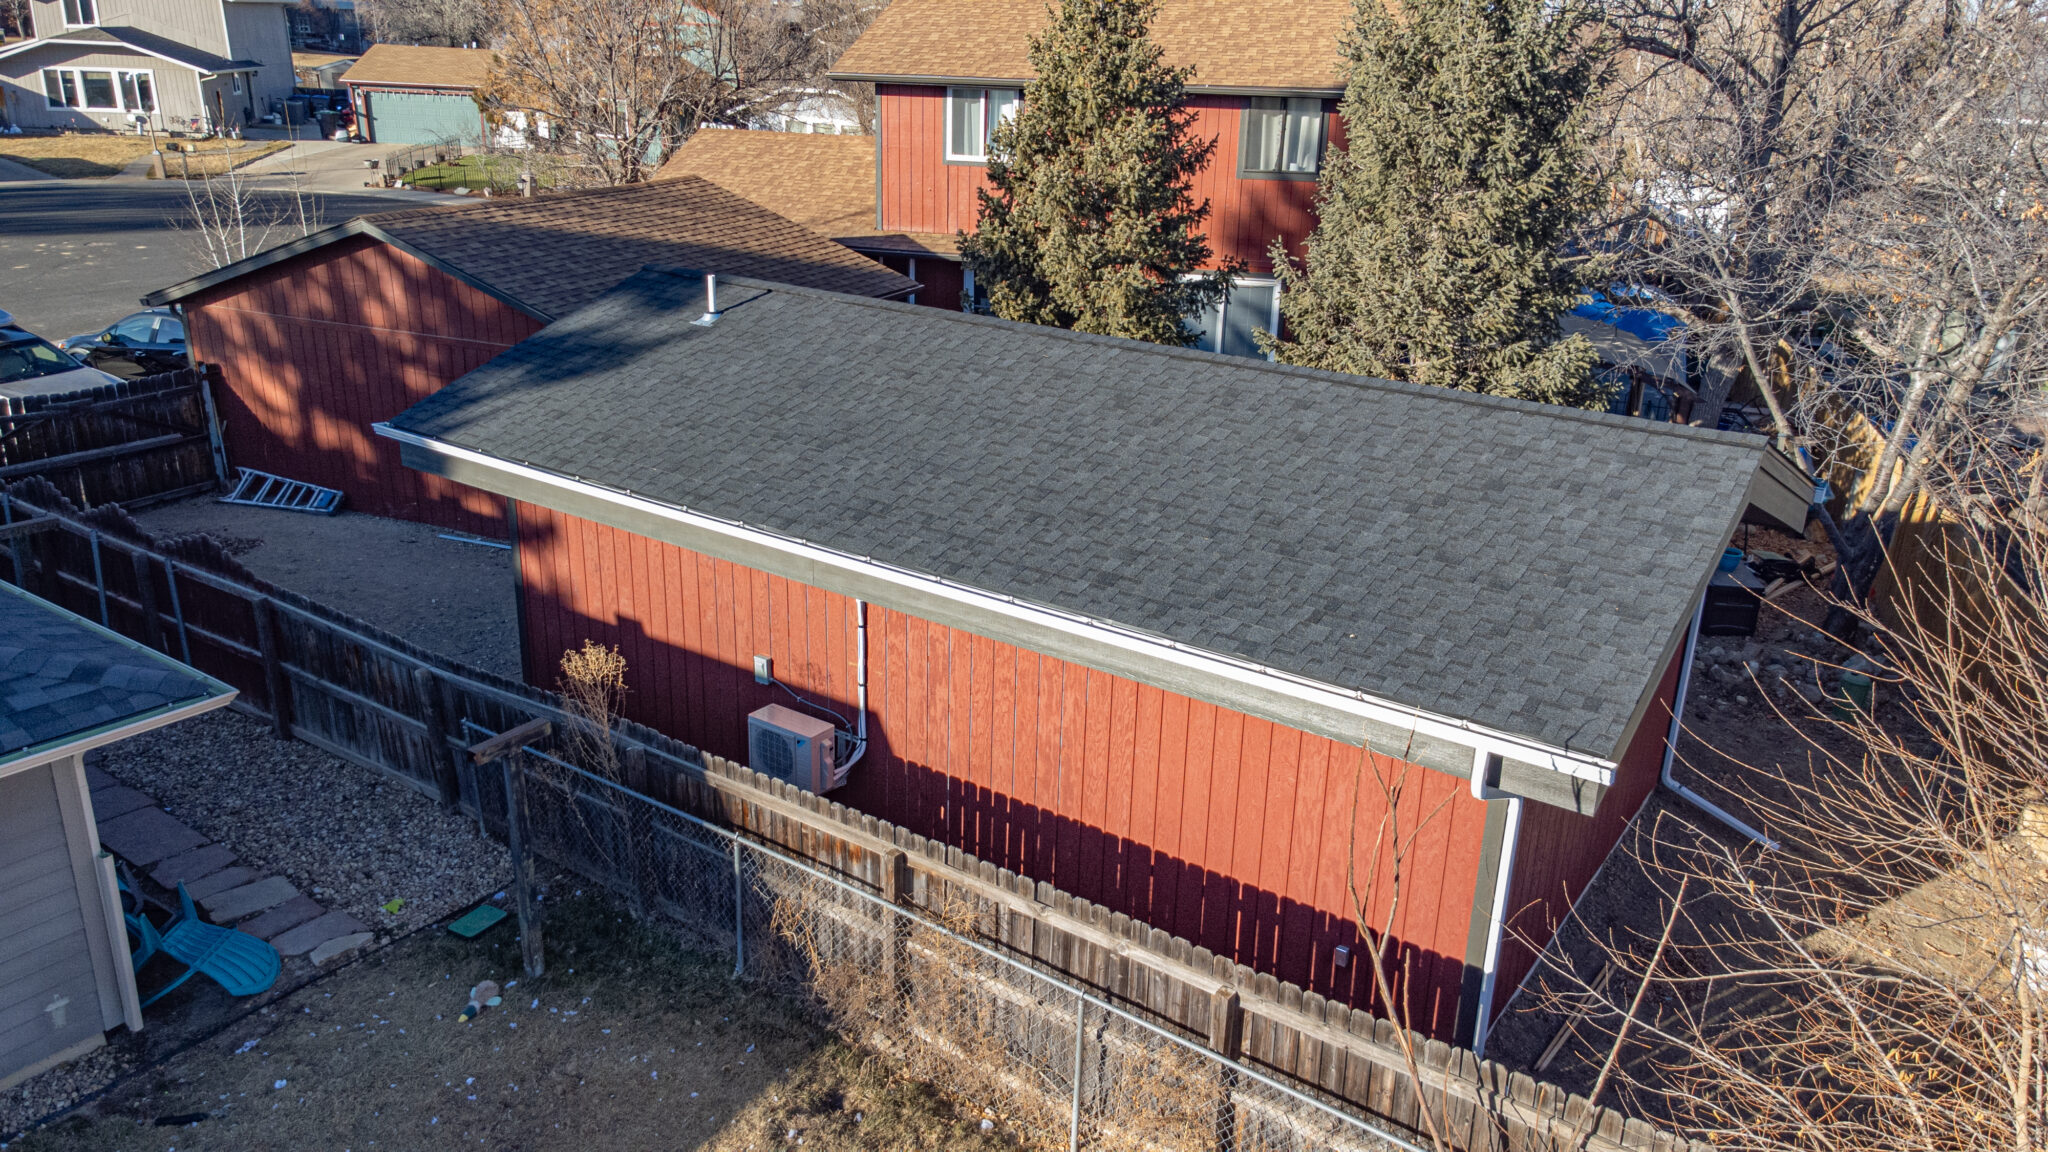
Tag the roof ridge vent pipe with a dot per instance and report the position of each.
(1692, 640)
(711, 312)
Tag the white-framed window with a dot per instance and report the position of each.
(1253, 304)
(1282, 137)
(971, 117)
(237, 78)
(81, 13)
(99, 89)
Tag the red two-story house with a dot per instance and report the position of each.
(1266, 80)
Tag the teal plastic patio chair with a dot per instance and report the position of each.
(236, 961)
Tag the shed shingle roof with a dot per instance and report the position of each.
(406, 66)
(555, 253)
(61, 678)
(1505, 563)
(822, 182)
(1289, 45)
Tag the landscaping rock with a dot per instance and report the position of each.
(235, 903)
(147, 835)
(314, 933)
(190, 866)
(221, 881)
(290, 914)
(338, 947)
(119, 800)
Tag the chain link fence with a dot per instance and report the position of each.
(1052, 1065)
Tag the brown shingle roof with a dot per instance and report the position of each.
(558, 253)
(553, 254)
(822, 182)
(1287, 45)
(421, 67)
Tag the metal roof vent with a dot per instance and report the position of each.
(711, 312)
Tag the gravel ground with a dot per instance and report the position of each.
(448, 596)
(351, 838)
(628, 1042)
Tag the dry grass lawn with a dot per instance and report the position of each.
(84, 156)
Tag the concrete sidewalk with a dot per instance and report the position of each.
(14, 173)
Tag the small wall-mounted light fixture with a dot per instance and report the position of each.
(1343, 955)
(764, 670)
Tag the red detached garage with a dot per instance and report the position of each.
(318, 339)
(1193, 636)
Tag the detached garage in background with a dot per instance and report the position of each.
(406, 95)
(68, 686)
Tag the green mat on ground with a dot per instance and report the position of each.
(476, 920)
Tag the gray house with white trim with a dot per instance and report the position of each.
(184, 65)
(68, 686)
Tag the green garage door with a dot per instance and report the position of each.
(422, 117)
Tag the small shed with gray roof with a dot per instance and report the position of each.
(68, 686)
(1178, 632)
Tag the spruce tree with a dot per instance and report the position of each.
(1092, 223)
(1438, 255)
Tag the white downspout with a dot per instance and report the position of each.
(1692, 639)
(860, 722)
(1503, 879)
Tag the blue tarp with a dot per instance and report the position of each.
(1641, 323)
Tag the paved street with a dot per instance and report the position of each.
(77, 254)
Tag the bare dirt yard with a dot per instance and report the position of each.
(628, 1043)
(449, 596)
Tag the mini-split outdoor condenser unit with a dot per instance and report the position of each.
(788, 745)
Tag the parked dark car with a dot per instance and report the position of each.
(32, 366)
(140, 345)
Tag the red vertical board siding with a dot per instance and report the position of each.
(314, 350)
(1232, 831)
(923, 193)
(1557, 852)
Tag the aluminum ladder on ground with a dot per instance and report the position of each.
(263, 490)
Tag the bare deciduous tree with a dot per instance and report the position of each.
(444, 23)
(229, 218)
(622, 89)
(1882, 981)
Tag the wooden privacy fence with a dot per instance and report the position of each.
(374, 699)
(149, 439)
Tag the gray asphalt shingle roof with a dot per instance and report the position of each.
(61, 677)
(1506, 563)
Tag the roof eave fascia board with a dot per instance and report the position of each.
(1328, 92)
(1345, 715)
(113, 732)
(102, 45)
(408, 84)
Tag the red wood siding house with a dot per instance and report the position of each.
(902, 197)
(319, 339)
(1170, 666)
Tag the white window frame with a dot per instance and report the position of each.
(120, 75)
(1287, 111)
(988, 127)
(90, 9)
(1221, 311)
(236, 79)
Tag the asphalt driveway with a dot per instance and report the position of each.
(76, 255)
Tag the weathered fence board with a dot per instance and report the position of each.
(127, 443)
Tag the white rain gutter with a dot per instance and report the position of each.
(1692, 639)
(1362, 705)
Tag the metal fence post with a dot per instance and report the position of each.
(177, 609)
(522, 878)
(739, 915)
(99, 580)
(1080, 1032)
(13, 542)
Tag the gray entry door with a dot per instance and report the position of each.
(49, 998)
